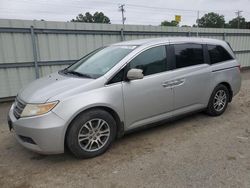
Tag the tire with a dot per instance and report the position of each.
(91, 133)
(216, 109)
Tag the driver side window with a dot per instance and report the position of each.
(151, 61)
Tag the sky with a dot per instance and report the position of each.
(142, 12)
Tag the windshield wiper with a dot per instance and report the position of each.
(63, 70)
(78, 74)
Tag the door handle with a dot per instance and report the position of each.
(173, 83)
(166, 84)
(178, 82)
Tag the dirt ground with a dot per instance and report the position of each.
(196, 151)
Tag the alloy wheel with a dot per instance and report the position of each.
(93, 135)
(220, 100)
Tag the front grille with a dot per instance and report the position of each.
(18, 107)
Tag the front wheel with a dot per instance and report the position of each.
(91, 133)
(218, 101)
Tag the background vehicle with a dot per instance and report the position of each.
(121, 87)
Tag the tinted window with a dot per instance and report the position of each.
(218, 54)
(151, 61)
(188, 55)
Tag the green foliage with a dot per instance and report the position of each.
(167, 23)
(185, 26)
(212, 20)
(242, 23)
(97, 17)
(215, 20)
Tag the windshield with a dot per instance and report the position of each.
(99, 61)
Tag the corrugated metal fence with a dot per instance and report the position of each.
(30, 49)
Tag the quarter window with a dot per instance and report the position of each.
(188, 55)
(218, 54)
(151, 61)
(118, 77)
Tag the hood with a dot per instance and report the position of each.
(41, 90)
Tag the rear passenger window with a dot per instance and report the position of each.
(188, 55)
(151, 61)
(218, 54)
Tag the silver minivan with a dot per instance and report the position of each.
(121, 87)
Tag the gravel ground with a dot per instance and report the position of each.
(196, 151)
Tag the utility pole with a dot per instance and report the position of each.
(121, 8)
(238, 16)
(197, 21)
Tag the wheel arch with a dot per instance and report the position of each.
(119, 123)
(228, 86)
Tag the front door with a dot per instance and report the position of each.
(149, 99)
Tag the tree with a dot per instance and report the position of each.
(98, 17)
(172, 23)
(213, 20)
(242, 23)
(185, 26)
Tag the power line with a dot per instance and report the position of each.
(131, 5)
(154, 11)
(105, 5)
(174, 9)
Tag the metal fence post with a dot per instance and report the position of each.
(224, 36)
(122, 35)
(33, 40)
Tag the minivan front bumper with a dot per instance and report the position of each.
(43, 134)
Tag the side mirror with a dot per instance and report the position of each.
(135, 74)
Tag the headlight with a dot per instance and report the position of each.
(38, 109)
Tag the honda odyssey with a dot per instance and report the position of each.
(121, 87)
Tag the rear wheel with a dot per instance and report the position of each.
(91, 133)
(218, 101)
